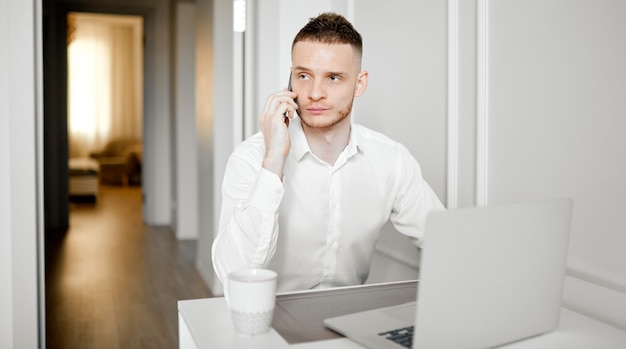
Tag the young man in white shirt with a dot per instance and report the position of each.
(308, 195)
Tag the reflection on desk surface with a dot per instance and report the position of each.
(299, 317)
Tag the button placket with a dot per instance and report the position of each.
(332, 242)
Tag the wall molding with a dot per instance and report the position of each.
(453, 104)
(597, 273)
(482, 103)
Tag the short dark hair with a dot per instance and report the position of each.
(331, 28)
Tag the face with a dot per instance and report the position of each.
(326, 79)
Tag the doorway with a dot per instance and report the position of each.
(105, 100)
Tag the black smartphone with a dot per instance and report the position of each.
(290, 90)
(289, 84)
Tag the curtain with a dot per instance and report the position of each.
(104, 82)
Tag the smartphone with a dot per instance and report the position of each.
(289, 84)
(290, 90)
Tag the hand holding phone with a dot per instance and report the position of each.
(276, 136)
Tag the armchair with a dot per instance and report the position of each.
(120, 162)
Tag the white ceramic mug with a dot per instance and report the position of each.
(251, 298)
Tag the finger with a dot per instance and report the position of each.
(278, 107)
(283, 107)
(274, 101)
(292, 106)
(289, 110)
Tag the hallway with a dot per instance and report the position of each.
(112, 282)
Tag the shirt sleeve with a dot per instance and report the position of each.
(415, 199)
(248, 225)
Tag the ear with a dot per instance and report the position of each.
(361, 84)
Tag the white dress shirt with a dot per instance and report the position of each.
(319, 226)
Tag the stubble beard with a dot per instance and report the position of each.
(342, 114)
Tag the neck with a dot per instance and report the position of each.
(328, 143)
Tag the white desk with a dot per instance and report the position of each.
(206, 323)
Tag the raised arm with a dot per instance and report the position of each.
(252, 191)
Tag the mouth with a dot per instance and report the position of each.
(316, 110)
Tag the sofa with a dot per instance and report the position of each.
(120, 162)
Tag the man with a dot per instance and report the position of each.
(308, 195)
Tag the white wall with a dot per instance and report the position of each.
(6, 265)
(556, 104)
(533, 108)
(185, 217)
(560, 114)
(405, 55)
(19, 105)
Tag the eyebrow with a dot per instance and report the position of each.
(337, 73)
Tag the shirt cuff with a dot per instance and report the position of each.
(267, 192)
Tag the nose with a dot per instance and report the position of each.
(317, 90)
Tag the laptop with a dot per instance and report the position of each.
(488, 276)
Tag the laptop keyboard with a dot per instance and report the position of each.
(402, 336)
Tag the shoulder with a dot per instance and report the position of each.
(374, 141)
(387, 153)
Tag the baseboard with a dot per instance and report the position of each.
(596, 290)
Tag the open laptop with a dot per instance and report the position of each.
(488, 276)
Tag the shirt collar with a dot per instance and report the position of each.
(300, 145)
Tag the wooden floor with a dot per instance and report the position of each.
(112, 282)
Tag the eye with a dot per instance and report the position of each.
(303, 77)
(334, 78)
